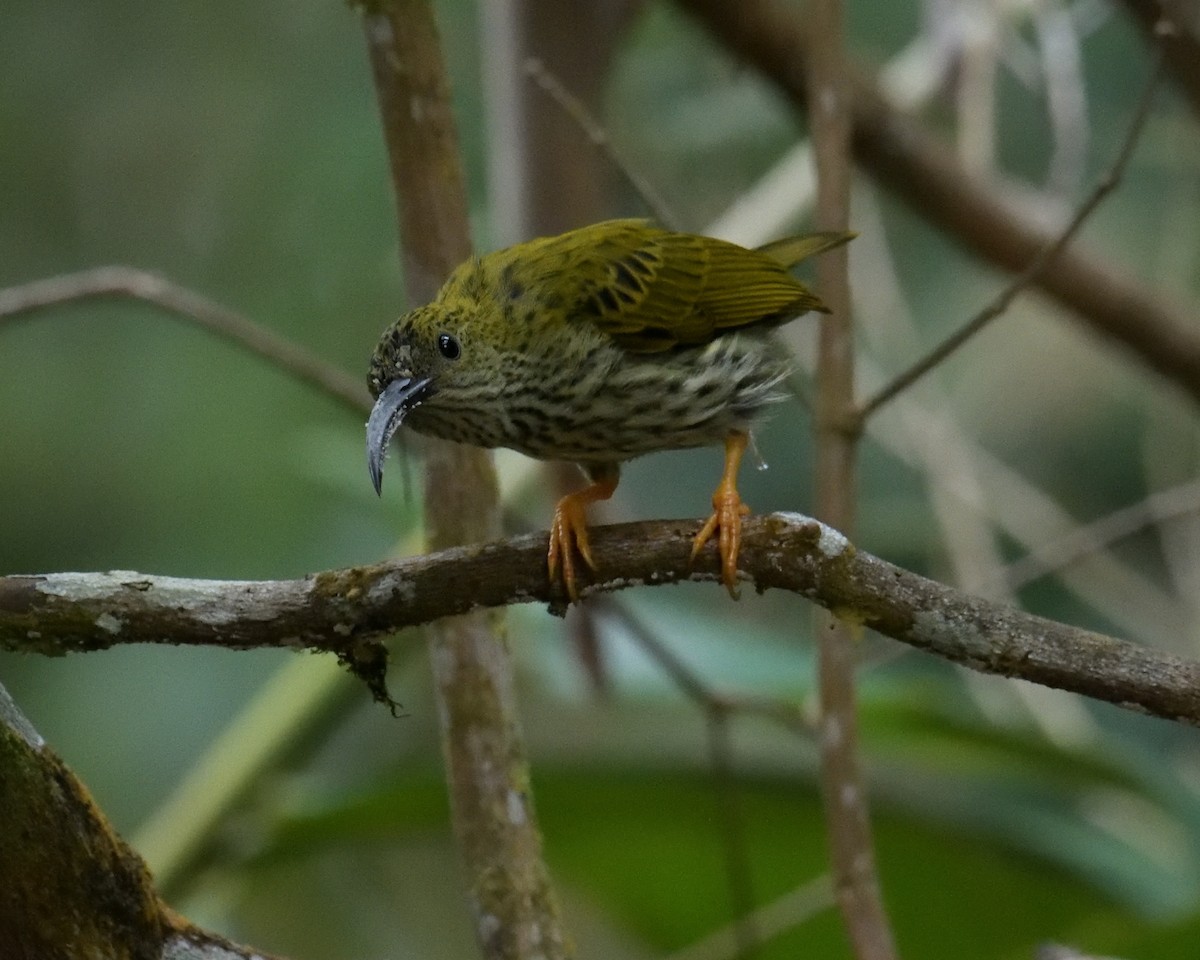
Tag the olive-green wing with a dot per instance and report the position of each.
(653, 290)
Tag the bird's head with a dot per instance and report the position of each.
(421, 358)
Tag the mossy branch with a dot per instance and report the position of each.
(72, 886)
(339, 610)
(512, 902)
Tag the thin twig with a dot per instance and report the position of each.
(771, 919)
(924, 434)
(686, 679)
(24, 301)
(718, 711)
(1107, 184)
(1025, 512)
(1094, 537)
(598, 137)
(788, 715)
(1056, 951)
(733, 833)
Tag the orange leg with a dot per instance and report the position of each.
(728, 511)
(568, 529)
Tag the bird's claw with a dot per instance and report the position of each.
(568, 536)
(726, 522)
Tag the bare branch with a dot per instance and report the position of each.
(337, 610)
(23, 302)
(554, 88)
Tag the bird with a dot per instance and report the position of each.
(597, 346)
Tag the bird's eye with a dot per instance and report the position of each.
(448, 346)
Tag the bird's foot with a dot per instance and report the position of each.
(568, 529)
(726, 522)
(728, 511)
(568, 536)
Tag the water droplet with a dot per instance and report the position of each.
(759, 463)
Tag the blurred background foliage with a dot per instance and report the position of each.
(235, 149)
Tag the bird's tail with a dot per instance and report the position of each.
(791, 250)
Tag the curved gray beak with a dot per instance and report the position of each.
(397, 398)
